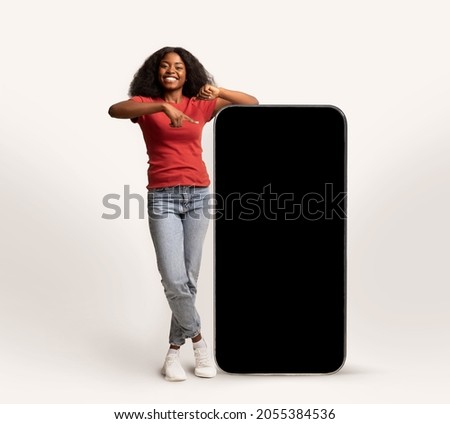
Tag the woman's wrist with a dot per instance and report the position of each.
(164, 107)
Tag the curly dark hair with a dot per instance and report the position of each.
(146, 82)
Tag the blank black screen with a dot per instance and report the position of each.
(280, 239)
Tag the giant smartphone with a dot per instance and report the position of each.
(280, 222)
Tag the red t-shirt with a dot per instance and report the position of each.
(175, 154)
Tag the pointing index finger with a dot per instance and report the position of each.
(192, 120)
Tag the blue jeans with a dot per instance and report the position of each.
(178, 220)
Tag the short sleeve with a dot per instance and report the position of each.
(139, 99)
(207, 107)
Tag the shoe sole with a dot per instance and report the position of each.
(200, 374)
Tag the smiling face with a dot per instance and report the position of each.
(172, 72)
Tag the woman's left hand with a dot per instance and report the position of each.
(208, 92)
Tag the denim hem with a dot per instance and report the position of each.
(184, 341)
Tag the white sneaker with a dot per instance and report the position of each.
(204, 365)
(172, 369)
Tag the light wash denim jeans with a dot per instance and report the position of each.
(178, 220)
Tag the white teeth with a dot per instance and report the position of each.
(170, 79)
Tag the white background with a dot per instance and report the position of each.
(83, 318)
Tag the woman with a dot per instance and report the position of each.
(172, 97)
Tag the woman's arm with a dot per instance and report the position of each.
(235, 97)
(129, 109)
(225, 97)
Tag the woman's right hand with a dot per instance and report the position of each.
(176, 117)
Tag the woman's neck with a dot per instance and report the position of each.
(175, 97)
